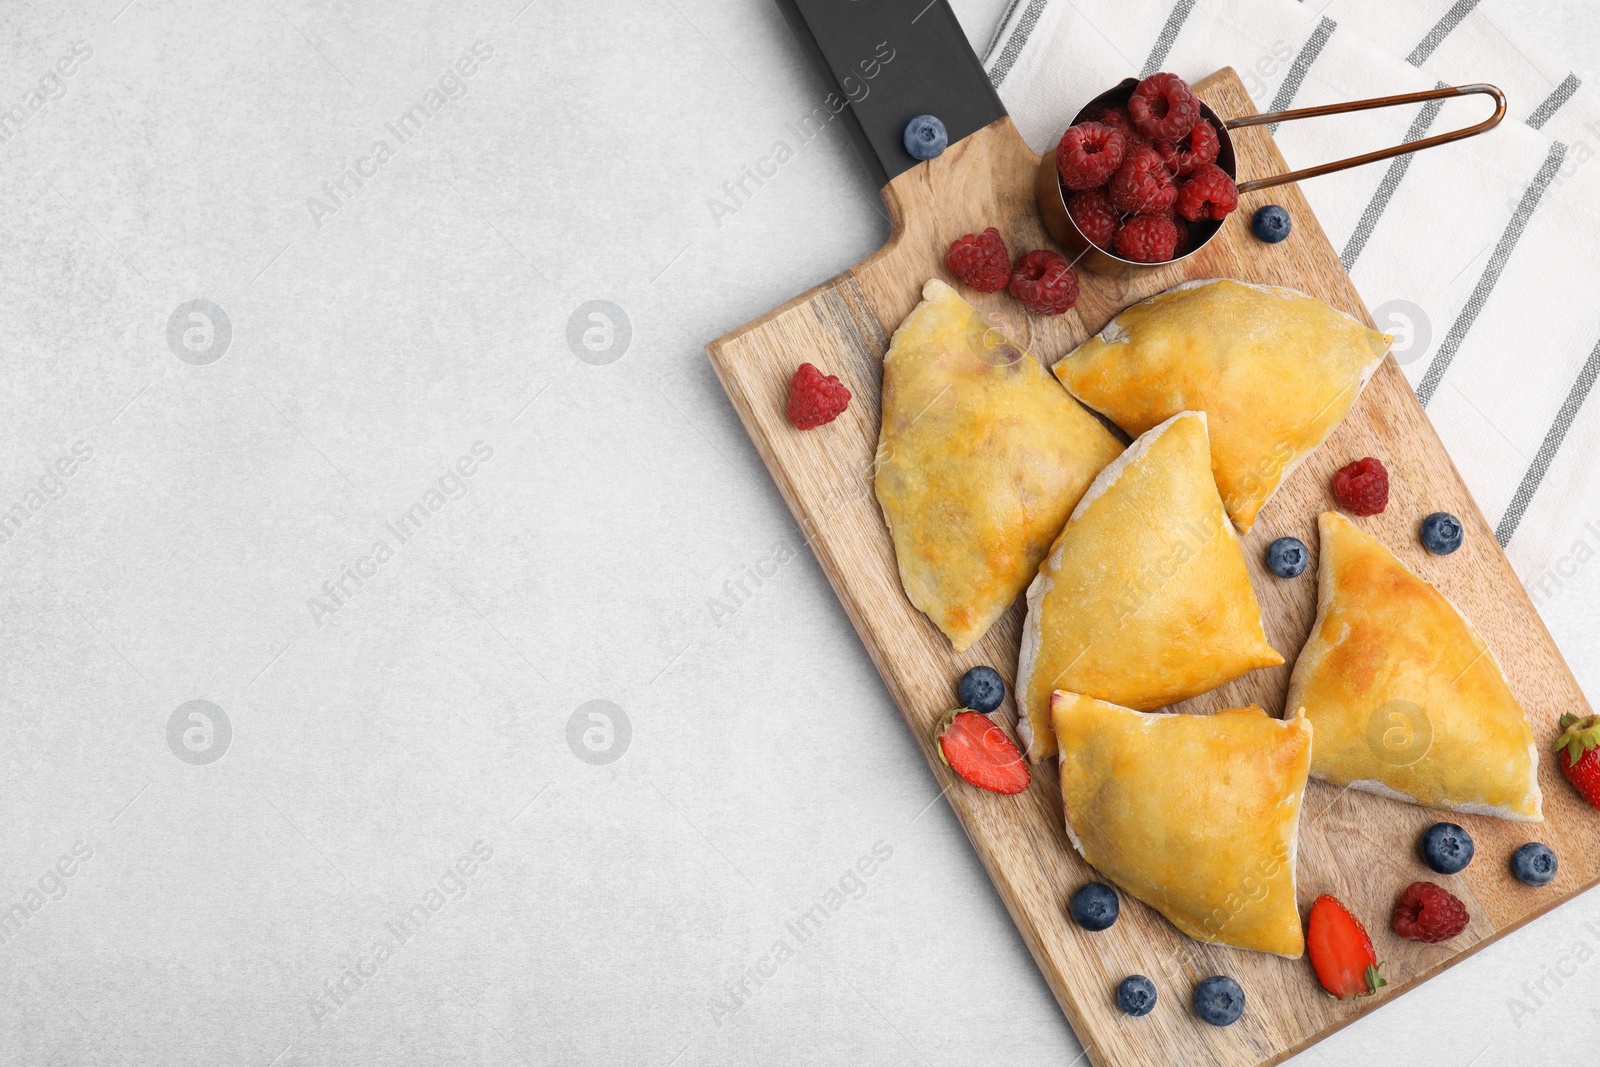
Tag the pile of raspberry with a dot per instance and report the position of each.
(1138, 176)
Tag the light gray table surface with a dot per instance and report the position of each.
(395, 832)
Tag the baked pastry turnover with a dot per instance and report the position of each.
(1406, 698)
(1195, 815)
(1274, 368)
(1144, 599)
(981, 458)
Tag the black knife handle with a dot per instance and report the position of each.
(886, 61)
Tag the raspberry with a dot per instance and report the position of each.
(1208, 194)
(1168, 153)
(1428, 913)
(815, 399)
(1088, 155)
(1196, 148)
(1147, 239)
(1362, 488)
(1142, 185)
(980, 260)
(1181, 246)
(1097, 220)
(1044, 283)
(1114, 116)
(1162, 107)
(1117, 118)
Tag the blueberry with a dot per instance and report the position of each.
(1287, 557)
(1219, 1000)
(1136, 995)
(1270, 224)
(926, 137)
(1534, 864)
(1447, 848)
(981, 689)
(1441, 533)
(1094, 906)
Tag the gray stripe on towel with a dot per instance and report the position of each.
(1019, 38)
(1386, 188)
(1452, 18)
(1547, 450)
(1491, 274)
(999, 31)
(1302, 63)
(1552, 103)
(1167, 37)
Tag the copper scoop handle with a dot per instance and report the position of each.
(1476, 89)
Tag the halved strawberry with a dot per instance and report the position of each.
(980, 752)
(1340, 950)
(1578, 754)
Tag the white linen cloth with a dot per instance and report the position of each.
(1480, 256)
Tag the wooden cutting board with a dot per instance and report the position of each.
(1360, 847)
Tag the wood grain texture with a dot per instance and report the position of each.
(1355, 845)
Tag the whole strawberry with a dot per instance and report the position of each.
(1340, 950)
(1578, 755)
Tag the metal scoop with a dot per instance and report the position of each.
(1052, 194)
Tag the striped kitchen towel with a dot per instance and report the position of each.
(1479, 256)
